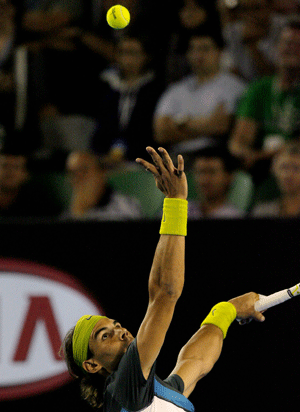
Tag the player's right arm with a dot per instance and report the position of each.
(167, 272)
(199, 355)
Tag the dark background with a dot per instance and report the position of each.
(259, 362)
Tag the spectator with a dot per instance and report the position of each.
(190, 16)
(284, 9)
(81, 25)
(250, 40)
(286, 170)
(213, 174)
(20, 94)
(126, 98)
(98, 38)
(20, 195)
(48, 29)
(201, 106)
(92, 196)
(269, 113)
(227, 10)
(44, 21)
(7, 51)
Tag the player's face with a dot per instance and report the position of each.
(287, 172)
(108, 342)
(212, 180)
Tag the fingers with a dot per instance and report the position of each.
(245, 321)
(157, 160)
(248, 311)
(148, 166)
(167, 161)
(180, 168)
(259, 317)
(155, 168)
(160, 162)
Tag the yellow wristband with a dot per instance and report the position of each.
(174, 220)
(221, 315)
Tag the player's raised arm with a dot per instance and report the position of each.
(167, 273)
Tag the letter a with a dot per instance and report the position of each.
(40, 309)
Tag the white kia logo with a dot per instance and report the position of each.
(38, 305)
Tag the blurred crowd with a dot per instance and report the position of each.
(217, 81)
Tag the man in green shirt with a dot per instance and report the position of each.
(269, 112)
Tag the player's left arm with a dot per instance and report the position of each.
(167, 272)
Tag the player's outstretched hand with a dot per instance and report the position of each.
(169, 179)
(244, 305)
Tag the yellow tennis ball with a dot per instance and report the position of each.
(118, 17)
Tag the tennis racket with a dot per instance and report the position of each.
(266, 302)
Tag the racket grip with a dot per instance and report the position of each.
(267, 302)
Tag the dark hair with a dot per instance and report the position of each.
(91, 384)
(149, 46)
(145, 40)
(230, 162)
(206, 31)
(292, 22)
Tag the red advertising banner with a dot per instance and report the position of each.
(39, 304)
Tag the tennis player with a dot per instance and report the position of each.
(116, 369)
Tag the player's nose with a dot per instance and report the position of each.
(123, 334)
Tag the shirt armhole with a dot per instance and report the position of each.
(176, 382)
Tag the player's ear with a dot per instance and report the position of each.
(91, 365)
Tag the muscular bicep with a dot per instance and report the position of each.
(188, 370)
(198, 356)
(152, 332)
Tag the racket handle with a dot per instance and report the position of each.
(267, 302)
(272, 300)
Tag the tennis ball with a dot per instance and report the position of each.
(118, 17)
